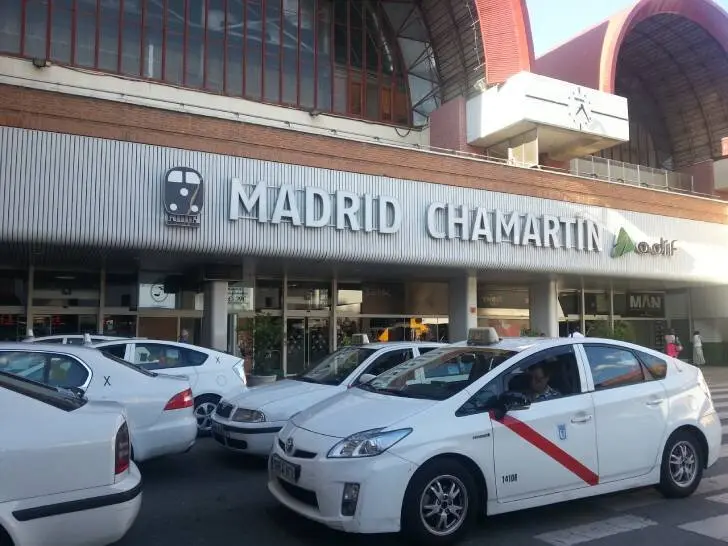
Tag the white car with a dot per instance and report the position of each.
(523, 422)
(72, 339)
(65, 468)
(212, 374)
(159, 407)
(249, 422)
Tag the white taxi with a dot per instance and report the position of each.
(212, 374)
(248, 423)
(519, 423)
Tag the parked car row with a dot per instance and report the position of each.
(211, 374)
(421, 439)
(417, 438)
(96, 409)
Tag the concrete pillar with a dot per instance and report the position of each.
(544, 308)
(463, 306)
(214, 320)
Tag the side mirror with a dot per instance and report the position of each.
(511, 401)
(366, 378)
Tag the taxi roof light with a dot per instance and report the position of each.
(482, 336)
(359, 339)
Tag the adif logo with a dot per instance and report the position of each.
(184, 196)
(624, 244)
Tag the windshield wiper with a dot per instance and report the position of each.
(305, 379)
(393, 392)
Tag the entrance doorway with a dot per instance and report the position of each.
(307, 342)
(164, 328)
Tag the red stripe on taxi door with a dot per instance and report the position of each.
(549, 448)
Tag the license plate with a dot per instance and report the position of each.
(218, 429)
(285, 470)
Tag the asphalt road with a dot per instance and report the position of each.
(210, 497)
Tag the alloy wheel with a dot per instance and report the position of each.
(444, 505)
(683, 463)
(203, 412)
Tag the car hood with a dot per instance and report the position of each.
(282, 399)
(357, 410)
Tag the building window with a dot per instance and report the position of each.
(340, 56)
(13, 288)
(66, 289)
(121, 291)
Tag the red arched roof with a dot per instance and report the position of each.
(507, 42)
(590, 59)
(477, 39)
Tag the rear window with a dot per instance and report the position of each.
(60, 399)
(656, 366)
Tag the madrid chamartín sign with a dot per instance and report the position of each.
(317, 208)
(313, 207)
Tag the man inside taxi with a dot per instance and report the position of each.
(540, 389)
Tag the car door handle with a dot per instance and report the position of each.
(581, 419)
(655, 402)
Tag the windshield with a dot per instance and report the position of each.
(337, 366)
(439, 374)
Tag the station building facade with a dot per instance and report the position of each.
(400, 170)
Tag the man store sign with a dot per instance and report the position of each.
(624, 244)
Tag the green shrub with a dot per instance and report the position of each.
(265, 333)
(622, 331)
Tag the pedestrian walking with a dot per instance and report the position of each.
(698, 357)
(673, 347)
(576, 332)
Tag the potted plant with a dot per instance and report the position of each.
(262, 338)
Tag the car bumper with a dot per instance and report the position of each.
(713, 430)
(245, 438)
(167, 437)
(83, 518)
(317, 495)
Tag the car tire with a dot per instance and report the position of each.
(682, 465)
(441, 474)
(5, 539)
(205, 404)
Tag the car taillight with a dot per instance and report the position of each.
(180, 400)
(122, 450)
(239, 369)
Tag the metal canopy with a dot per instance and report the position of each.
(457, 44)
(675, 76)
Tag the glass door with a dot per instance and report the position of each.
(307, 342)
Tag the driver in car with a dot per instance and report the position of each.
(540, 389)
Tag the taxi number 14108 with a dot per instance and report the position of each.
(510, 478)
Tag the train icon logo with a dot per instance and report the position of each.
(184, 196)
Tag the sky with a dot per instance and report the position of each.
(555, 21)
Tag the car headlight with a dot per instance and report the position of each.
(369, 443)
(248, 416)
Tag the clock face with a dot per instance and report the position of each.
(580, 110)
